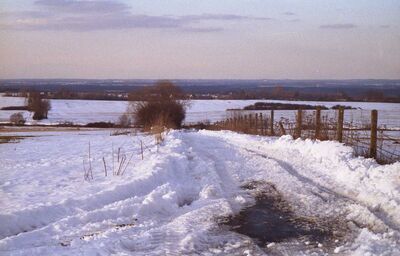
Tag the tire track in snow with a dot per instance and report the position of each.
(334, 195)
(77, 213)
(213, 153)
(226, 181)
(163, 239)
(292, 171)
(217, 154)
(72, 207)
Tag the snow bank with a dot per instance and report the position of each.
(169, 202)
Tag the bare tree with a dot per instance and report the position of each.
(39, 106)
(124, 121)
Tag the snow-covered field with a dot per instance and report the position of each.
(169, 203)
(85, 111)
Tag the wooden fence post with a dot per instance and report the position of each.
(256, 124)
(262, 124)
(374, 133)
(282, 128)
(299, 123)
(272, 123)
(317, 123)
(339, 127)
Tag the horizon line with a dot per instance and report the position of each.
(211, 79)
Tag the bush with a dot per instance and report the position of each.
(15, 108)
(162, 105)
(167, 114)
(342, 106)
(100, 125)
(17, 119)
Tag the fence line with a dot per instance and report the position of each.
(373, 143)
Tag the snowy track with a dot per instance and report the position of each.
(170, 202)
(310, 171)
(331, 196)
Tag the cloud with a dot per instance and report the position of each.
(79, 15)
(103, 22)
(24, 14)
(384, 26)
(224, 17)
(79, 6)
(289, 13)
(202, 30)
(339, 26)
(87, 23)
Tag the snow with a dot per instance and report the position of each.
(11, 101)
(86, 111)
(169, 202)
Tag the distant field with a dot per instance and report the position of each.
(85, 111)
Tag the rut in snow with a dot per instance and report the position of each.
(313, 212)
(378, 213)
(271, 218)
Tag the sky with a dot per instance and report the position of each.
(200, 39)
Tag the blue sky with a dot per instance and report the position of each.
(237, 39)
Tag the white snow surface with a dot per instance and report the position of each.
(169, 203)
(86, 111)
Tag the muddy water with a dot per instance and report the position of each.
(271, 220)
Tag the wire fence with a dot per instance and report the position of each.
(363, 132)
